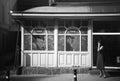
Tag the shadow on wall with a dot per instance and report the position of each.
(7, 54)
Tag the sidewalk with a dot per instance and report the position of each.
(63, 77)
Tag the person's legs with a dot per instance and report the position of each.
(101, 73)
(104, 74)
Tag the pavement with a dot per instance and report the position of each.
(91, 76)
(62, 77)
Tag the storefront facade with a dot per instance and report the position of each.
(66, 36)
(57, 43)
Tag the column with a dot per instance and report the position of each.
(56, 44)
(22, 39)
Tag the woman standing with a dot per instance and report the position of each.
(100, 62)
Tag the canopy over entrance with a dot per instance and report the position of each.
(68, 12)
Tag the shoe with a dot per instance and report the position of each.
(100, 75)
(104, 76)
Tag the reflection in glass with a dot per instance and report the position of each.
(72, 43)
(50, 42)
(84, 30)
(84, 44)
(38, 42)
(61, 43)
(50, 30)
(73, 31)
(39, 31)
(111, 49)
(27, 43)
(61, 30)
(27, 30)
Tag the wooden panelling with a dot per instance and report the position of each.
(76, 59)
(27, 60)
(43, 60)
(35, 60)
(68, 59)
(83, 60)
(61, 59)
(50, 60)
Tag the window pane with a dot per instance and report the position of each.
(50, 30)
(85, 23)
(77, 23)
(27, 30)
(72, 43)
(73, 31)
(40, 31)
(27, 43)
(111, 49)
(50, 42)
(38, 42)
(61, 30)
(68, 23)
(61, 23)
(84, 30)
(60, 43)
(84, 44)
(50, 23)
(106, 26)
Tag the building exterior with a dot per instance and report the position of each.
(64, 33)
(7, 33)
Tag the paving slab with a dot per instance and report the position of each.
(63, 77)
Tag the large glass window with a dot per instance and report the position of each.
(38, 42)
(73, 35)
(111, 49)
(39, 37)
(106, 26)
(27, 42)
(109, 33)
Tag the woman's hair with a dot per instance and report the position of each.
(99, 41)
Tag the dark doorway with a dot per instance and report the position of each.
(111, 49)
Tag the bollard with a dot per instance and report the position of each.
(75, 74)
(7, 75)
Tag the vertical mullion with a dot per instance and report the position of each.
(90, 41)
(56, 43)
(31, 36)
(22, 47)
(46, 36)
(64, 42)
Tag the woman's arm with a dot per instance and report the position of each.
(99, 47)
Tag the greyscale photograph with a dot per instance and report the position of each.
(59, 40)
